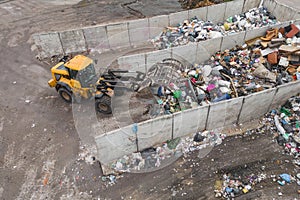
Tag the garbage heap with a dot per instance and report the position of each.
(233, 186)
(195, 30)
(284, 124)
(153, 158)
(261, 63)
(287, 123)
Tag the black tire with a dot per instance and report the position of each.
(103, 105)
(65, 95)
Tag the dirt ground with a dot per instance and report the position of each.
(39, 142)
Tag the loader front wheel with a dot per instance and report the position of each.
(65, 95)
(103, 105)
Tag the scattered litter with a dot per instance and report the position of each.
(232, 186)
(155, 157)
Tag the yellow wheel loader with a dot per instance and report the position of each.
(76, 79)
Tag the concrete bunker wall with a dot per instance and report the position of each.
(193, 52)
(138, 32)
(123, 141)
(216, 115)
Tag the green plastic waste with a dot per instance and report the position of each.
(177, 94)
(172, 144)
(286, 136)
(285, 111)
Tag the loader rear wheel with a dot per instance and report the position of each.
(65, 95)
(103, 105)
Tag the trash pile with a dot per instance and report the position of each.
(195, 30)
(262, 63)
(287, 122)
(154, 158)
(231, 186)
(109, 180)
(284, 124)
(285, 178)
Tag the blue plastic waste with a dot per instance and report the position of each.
(222, 98)
(228, 189)
(286, 177)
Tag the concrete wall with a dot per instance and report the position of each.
(256, 105)
(282, 11)
(153, 132)
(189, 121)
(223, 114)
(48, 44)
(115, 144)
(72, 41)
(123, 141)
(196, 52)
(96, 38)
(133, 62)
(138, 32)
(284, 92)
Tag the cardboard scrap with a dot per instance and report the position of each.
(289, 49)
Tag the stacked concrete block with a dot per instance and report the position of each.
(134, 62)
(157, 56)
(153, 132)
(115, 144)
(284, 92)
(250, 34)
(223, 114)
(233, 8)
(189, 121)
(249, 4)
(207, 48)
(187, 52)
(73, 41)
(157, 24)
(270, 5)
(118, 36)
(284, 13)
(139, 32)
(178, 17)
(48, 44)
(216, 13)
(232, 40)
(96, 38)
(200, 13)
(256, 105)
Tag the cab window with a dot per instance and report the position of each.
(73, 73)
(57, 77)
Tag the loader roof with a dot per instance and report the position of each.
(78, 63)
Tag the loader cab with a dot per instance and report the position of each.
(82, 69)
(79, 72)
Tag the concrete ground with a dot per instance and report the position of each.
(39, 142)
